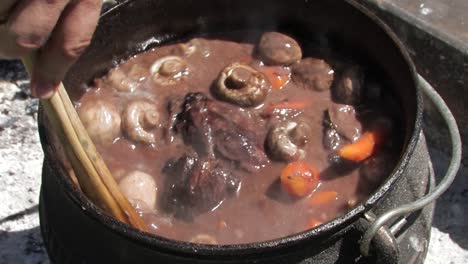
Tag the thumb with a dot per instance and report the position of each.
(68, 41)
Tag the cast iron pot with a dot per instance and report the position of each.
(76, 231)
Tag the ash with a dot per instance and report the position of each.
(20, 169)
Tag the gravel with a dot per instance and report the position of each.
(20, 168)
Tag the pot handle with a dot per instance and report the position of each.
(444, 183)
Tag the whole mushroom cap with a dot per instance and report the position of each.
(140, 189)
(242, 85)
(169, 70)
(279, 49)
(102, 121)
(286, 140)
(139, 119)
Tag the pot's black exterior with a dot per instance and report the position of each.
(72, 234)
(75, 231)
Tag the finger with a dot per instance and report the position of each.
(70, 38)
(29, 25)
(5, 8)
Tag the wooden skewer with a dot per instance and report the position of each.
(92, 173)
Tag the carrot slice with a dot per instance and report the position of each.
(322, 198)
(276, 77)
(363, 148)
(293, 105)
(299, 178)
(313, 222)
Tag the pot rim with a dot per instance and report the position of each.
(333, 226)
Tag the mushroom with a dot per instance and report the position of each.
(278, 49)
(349, 88)
(138, 118)
(123, 82)
(286, 140)
(313, 74)
(242, 85)
(140, 189)
(101, 119)
(169, 70)
(204, 239)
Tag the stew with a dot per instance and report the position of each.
(243, 137)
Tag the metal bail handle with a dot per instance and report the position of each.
(438, 190)
(384, 243)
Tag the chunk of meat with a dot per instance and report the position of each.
(331, 139)
(239, 116)
(214, 128)
(194, 185)
(173, 107)
(313, 73)
(220, 136)
(192, 123)
(343, 118)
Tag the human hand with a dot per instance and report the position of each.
(59, 30)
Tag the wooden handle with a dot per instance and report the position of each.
(92, 173)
